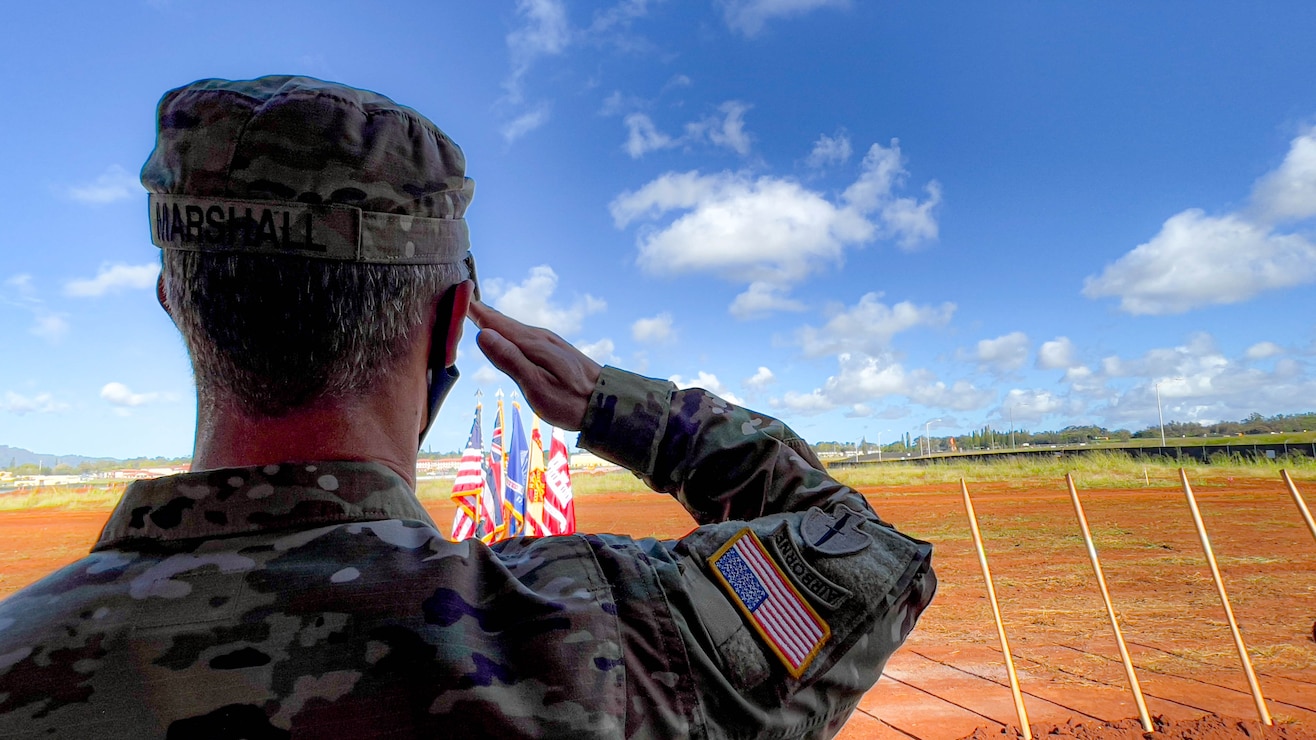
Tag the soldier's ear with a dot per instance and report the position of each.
(160, 296)
(461, 301)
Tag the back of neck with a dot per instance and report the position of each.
(359, 430)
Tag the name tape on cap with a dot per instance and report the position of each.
(326, 231)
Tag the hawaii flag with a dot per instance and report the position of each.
(559, 508)
(492, 516)
(469, 486)
(490, 506)
(535, 487)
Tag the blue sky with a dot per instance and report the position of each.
(859, 217)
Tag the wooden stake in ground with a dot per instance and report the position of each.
(996, 612)
(1224, 601)
(1297, 499)
(1110, 609)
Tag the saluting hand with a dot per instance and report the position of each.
(556, 378)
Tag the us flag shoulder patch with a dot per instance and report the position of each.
(777, 611)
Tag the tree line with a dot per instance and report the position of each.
(988, 438)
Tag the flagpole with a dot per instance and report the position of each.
(479, 412)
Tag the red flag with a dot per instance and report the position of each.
(559, 508)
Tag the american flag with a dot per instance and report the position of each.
(781, 616)
(469, 486)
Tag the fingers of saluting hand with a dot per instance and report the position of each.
(556, 378)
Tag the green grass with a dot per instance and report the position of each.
(1100, 469)
(63, 497)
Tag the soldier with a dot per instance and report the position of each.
(315, 259)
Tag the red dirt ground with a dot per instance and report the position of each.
(949, 681)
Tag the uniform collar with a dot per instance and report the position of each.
(237, 501)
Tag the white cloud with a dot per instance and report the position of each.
(42, 403)
(1057, 354)
(22, 285)
(1199, 383)
(486, 375)
(958, 396)
(803, 404)
(908, 220)
(530, 301)
(50, 326)
(1082, 379)
(678, 81)
(114, 184)
(727, 131)
(120, 395)
(869, 325)
(1263, 350)
(1008, 352)
(1289, 192)
(829, 150)
(768, 229)
(654, 329)
(1198, 260)
(1033, 405)
(765, 230)
(642, 137)
(526, 122)
(761, 378)
(863, 379)
(544, 31)
(761, 299)
(113, 279)
(708, 382)
(866, 378)
(21, 292)
(749, 16)
(620, 15)
(600, 351)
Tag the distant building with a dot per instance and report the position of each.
(444, 467)
(33, 481)
(588, 461)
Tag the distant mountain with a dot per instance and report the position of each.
(13, 456)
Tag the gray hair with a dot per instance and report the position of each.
(277, 333)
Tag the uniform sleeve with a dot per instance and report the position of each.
(792, 592)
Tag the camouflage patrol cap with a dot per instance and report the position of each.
(299, 166)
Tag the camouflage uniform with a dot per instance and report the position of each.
(319, 599)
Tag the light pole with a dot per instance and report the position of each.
(879, 444)
(1011, 407)
(1012, 426)
(1159, 415)
(927, 429)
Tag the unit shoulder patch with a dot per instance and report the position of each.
(834, 532)
(825, 593)
(773, 606)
